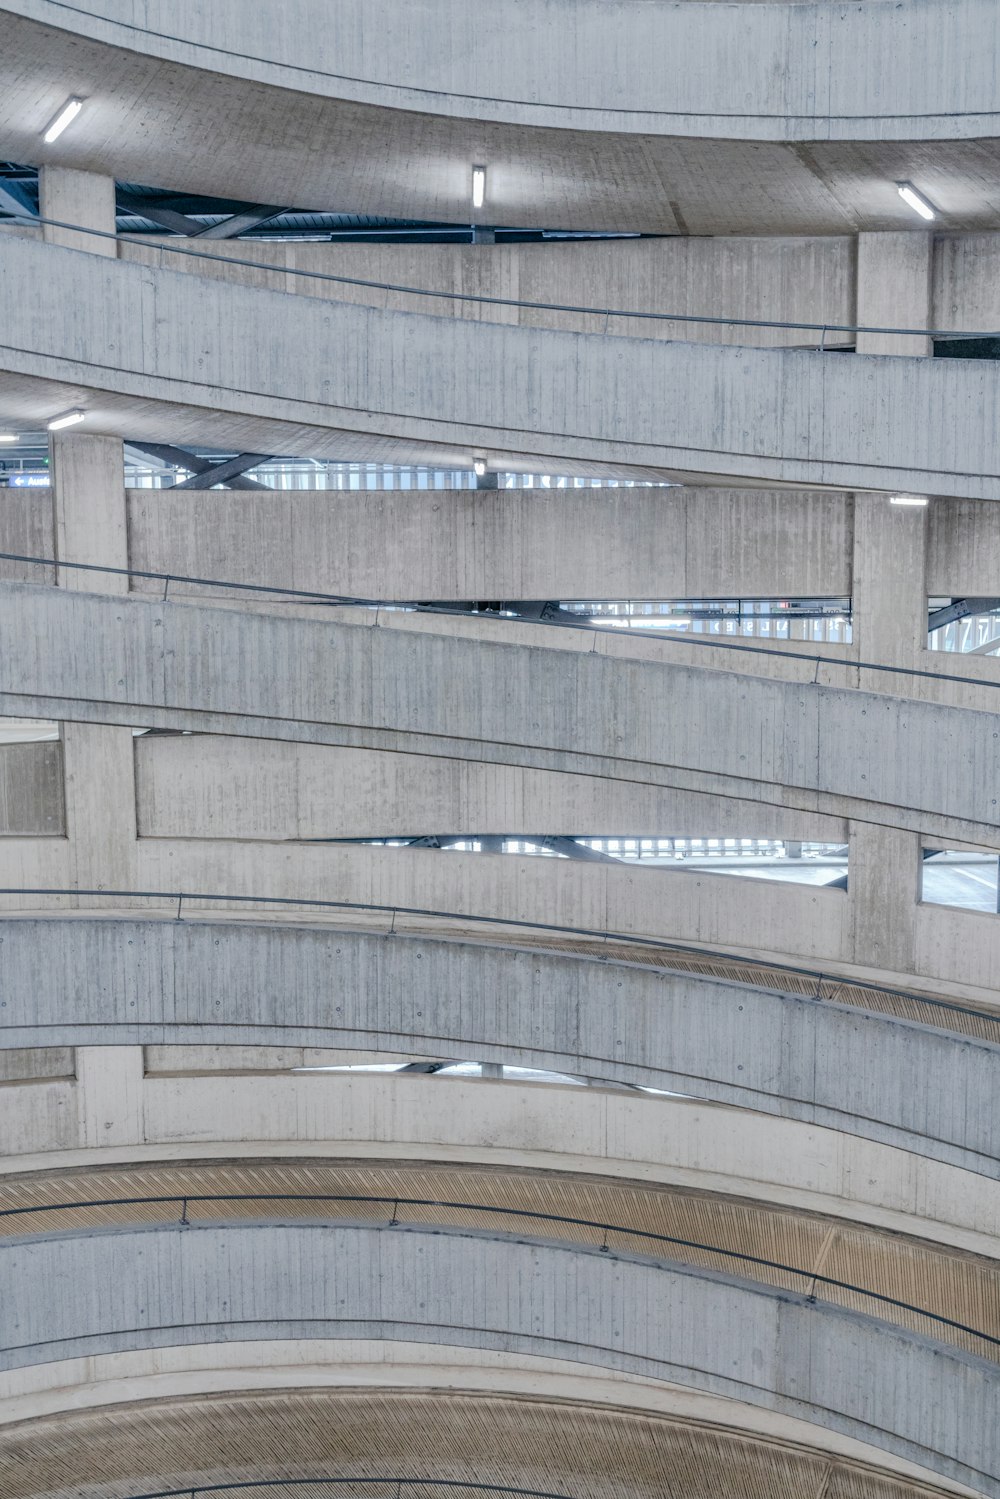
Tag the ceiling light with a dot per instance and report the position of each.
(479, 467)
(478, 186)
(8, 437)
(65, 117)
(909, 499)
(68, 419)
(920, 205)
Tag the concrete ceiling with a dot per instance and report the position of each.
(150, 119)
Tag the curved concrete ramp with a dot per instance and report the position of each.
(117, 330)
(541, 92)
(80, 982)
(826, 749)
(103, 1293)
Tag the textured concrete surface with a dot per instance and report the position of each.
(833, 749)
(403, 102)
(510, 544)
(184, 1104)
(115, 982)
(105, 1292)
(765, 414)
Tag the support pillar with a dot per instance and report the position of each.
(890, 542)
(894, 290)
(72, 197)
(109, 1095)
(88, 474)
(884, 889)
(889, 588)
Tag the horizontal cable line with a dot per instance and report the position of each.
(481, 298)
(591, 934)
(183, 1199)
(711, 642)
(475, 1485)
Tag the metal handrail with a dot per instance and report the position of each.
(741, 1257)
(659, 944)
(481, 298)
(589, 933)
(712, 642)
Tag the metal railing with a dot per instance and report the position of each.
(739, 1257)
(590, 934)
(605, 313)
(351, 601)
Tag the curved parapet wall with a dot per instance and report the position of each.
(108, 1293)
(116, 982)
(171, 1106)
(810, 71)
(833, 750)
(128, 332)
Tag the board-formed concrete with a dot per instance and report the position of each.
(658, 68)
(101, 1293)
(623, 114)
(137, 1106)
(836, 750)
(118, 330)
(636, 543)
(118, 982)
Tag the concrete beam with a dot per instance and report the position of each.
(508, 544)
(214, 786)
(93, 1294)
(119, 983)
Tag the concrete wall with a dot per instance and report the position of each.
(237, 1103)
(26, 528)
(835, 750)
(876, 931)
(115, 983)
(811, 71)
(514, 544)
(563, 543)
(793, 416)
(208, 786)
(93, 1294)
(804, 279)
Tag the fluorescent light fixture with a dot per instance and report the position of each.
(919, 204)
(65, 117)
(478, 186)
(479, 467)
(68, 419)
(8, 437)
(918, 500)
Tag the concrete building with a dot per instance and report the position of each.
(500, 749)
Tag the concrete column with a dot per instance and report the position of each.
(109, 1095)
(88, 476)
(894, 290)
(73, 197)
(889, 586)
(90, 526)
(884, 887)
